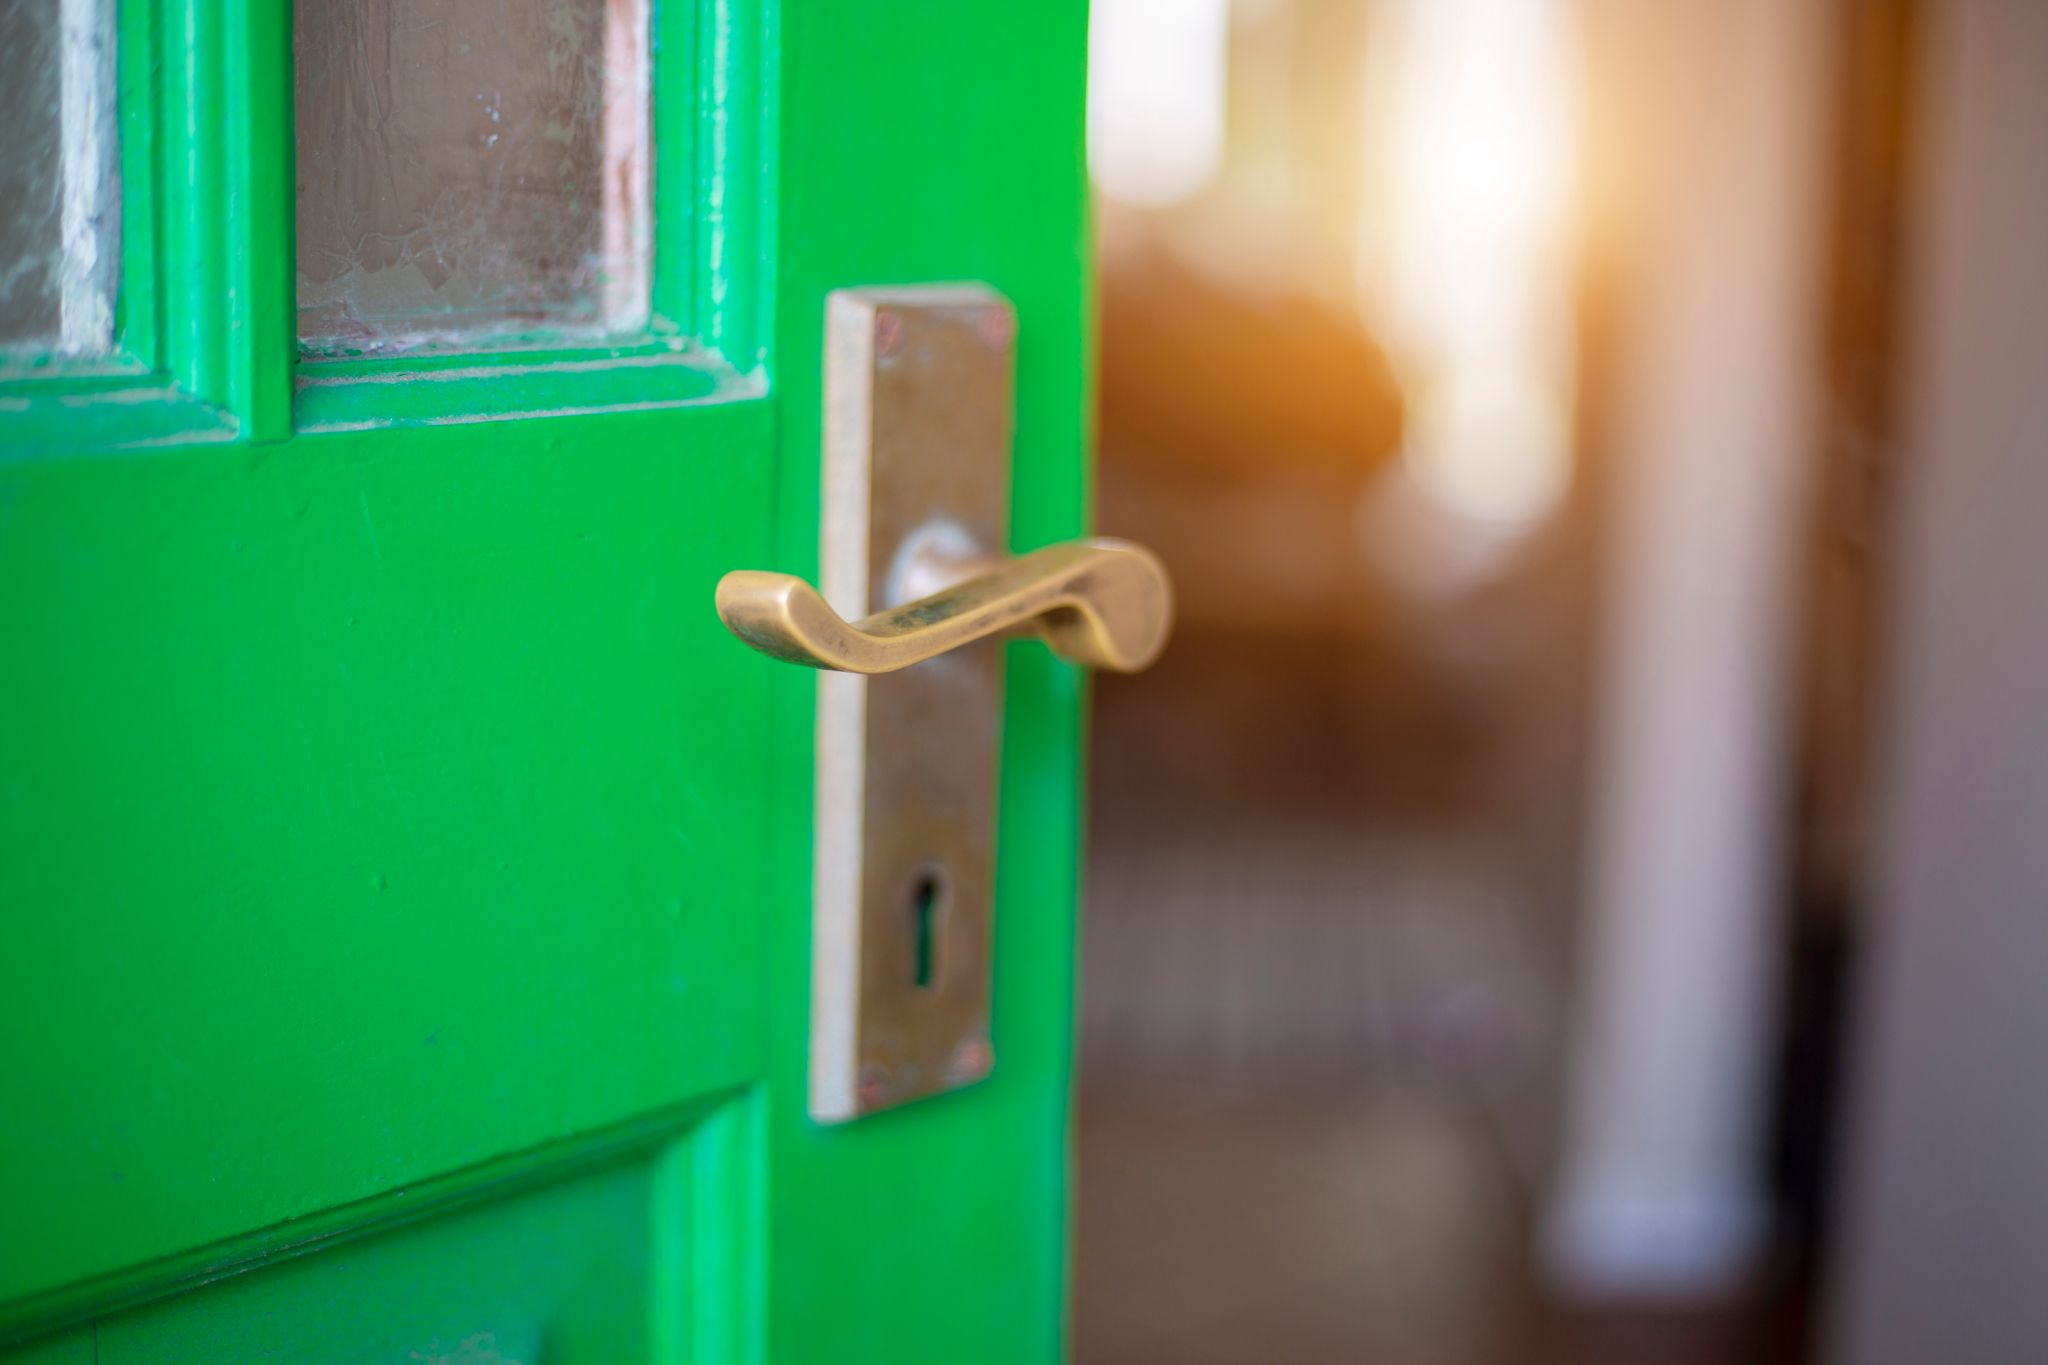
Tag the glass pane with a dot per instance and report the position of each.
(470, 169)
(59, 186)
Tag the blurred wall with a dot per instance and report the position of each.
(1945, 1231)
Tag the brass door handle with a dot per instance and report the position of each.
(1102, 603)
(916, 425)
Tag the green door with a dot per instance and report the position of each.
(405, 879)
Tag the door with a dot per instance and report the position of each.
(406, 879)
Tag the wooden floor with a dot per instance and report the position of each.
(1219, 1226)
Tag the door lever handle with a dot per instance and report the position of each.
(1101, 603)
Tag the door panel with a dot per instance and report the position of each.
(563, 1272)
(405, 879)
(567, 1270)
(402, 786)
(615, 1249)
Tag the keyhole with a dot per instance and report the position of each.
(927, 905)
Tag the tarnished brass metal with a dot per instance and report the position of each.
(914, 588)
(1097, 602)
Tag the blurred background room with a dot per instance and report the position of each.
(1575, 889)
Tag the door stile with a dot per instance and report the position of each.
(225, 168)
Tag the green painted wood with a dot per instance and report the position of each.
(937, 1232)
(562, 1271)
(407, 882)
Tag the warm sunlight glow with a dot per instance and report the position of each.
(1466, 251)
(1155, 98)
(1492, 445)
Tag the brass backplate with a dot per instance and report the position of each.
(916, 463)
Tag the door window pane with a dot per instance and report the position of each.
(59, 187)
(470, 170)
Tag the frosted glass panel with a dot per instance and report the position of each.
(470, 170)
(59, 187)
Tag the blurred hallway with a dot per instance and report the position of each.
(1583, 847)
(1321, 1005)
(1413, 819)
